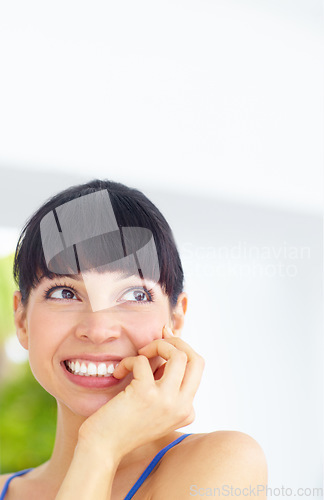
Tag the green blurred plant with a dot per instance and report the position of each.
(28, 412)
(27, 423)
(7, 287)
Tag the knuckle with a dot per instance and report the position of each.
(184, 412)
(189, 417)
(181, 355)
(141, 358)
(150, 393)
(168, 403)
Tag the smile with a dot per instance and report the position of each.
(86, 368)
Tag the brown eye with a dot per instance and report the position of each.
(62, 293)
(137, 295)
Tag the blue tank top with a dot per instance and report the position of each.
(134, 488)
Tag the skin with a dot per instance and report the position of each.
(54, 330)
(57, 330)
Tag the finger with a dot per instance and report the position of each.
(194, 368)
(139, 365)
(174, 371)
(156, 347)
(151, 349)
(175, 367)
(192, 377)
(167, 332)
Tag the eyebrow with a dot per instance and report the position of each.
(78, 277)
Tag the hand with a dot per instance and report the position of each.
(152, 405)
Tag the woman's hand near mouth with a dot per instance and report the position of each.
(152, 405)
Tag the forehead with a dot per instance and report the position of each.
(105, 278)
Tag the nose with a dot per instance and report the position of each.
(99, 327)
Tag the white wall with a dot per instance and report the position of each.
(254, 277)
(231, 89)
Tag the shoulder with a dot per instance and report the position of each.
(227, 446)
(3, 479)
(204, 462)
(230, 443)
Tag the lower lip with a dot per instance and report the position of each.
(91, 382)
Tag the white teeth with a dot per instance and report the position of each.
(110, 368)
(92, 370)
(83, 369)
(102, 369)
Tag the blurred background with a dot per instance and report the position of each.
(215, 111)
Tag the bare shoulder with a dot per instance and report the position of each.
(230, 443)
(212, 464)
(218, 445)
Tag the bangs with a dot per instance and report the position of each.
(101, 226)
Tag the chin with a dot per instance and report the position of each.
(88, 405)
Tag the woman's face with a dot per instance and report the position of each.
(60, 324)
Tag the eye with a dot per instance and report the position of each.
(61, 294)
(138, 295)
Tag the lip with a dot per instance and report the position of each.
(91, 382)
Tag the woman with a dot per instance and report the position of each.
(101, 308)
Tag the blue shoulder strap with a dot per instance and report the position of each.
(136, 486)
(5, 488)
(151, 466)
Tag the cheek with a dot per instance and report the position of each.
(44, 332)
(144, 328)
(43, 339)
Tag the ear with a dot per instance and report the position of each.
(20, 319)
(178, 313)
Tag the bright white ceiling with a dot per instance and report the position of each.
(219, 97)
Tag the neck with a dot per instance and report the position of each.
(68, 424)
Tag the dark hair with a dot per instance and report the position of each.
(131, 208)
